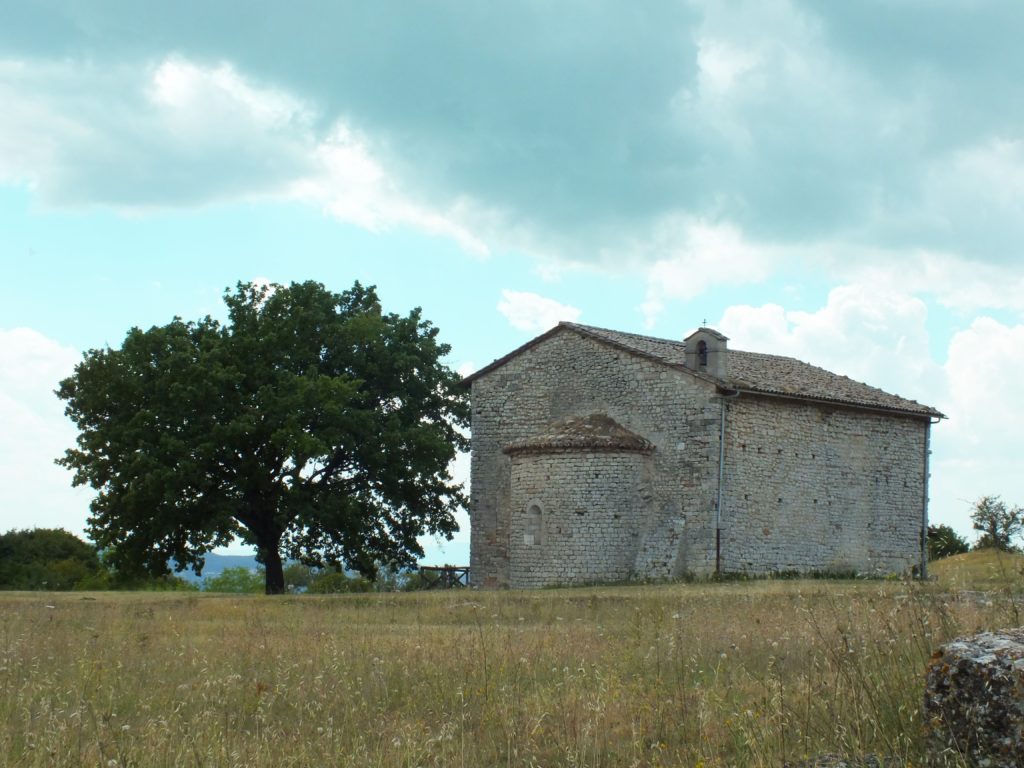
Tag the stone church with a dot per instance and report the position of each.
(605, 456)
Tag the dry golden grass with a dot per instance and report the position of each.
(741, 674)
(985, 569)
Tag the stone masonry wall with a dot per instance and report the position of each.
(571, 375)
(815, 488)
(592, 511)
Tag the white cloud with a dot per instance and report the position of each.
(722, 64)
(697, 255)
(684, 257)
(797, 123)
(977, 452)
(34, 492)
(986, 372)
(995, 166)
(531, 312)
(353, 186)
(981, 441)
(869, 334)
(194, 98)
(180, 133)
(973, 198)
(216, 114)
(880, 337)
(170, 134)
(953, 280)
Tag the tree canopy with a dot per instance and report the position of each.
(311, 424)
(998, 523)
(45, 558)
(944, 541)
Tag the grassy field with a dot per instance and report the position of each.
(987, 569)
(733, 674)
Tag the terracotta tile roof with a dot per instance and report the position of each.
(767, 374)
(774, 374)
(596, 432)
(748, 371)
(671, 352)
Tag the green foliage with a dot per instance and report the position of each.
(134, 580)
(45, 558)
(414, 581)
(943, 541)
(298, 576)
(393, 579)
(105, 580)
(335, 582)
(311, 424)
(998, 523)
(235, 580)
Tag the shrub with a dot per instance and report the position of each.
(334, 582)
(45, 558)
(235, 581)
(999, 524)
(943, 541)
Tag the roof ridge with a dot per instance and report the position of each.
(584, 326)
(755, 372)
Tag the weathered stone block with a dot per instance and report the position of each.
(974, 699)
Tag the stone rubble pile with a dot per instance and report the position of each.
(974, 700)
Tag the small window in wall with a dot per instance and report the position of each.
(702, 354)
(533, 531)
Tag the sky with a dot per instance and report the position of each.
(838, 182)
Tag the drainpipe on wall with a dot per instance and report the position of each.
(924, 500)
(721, 482)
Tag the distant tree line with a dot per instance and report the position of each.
(48, 559)
(52, 559)
(313, 581)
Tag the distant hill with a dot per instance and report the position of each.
(215, 564)
(984, 569)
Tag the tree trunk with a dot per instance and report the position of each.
(259, 519)
(271, 557)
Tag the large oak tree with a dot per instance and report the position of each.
(311, 424)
